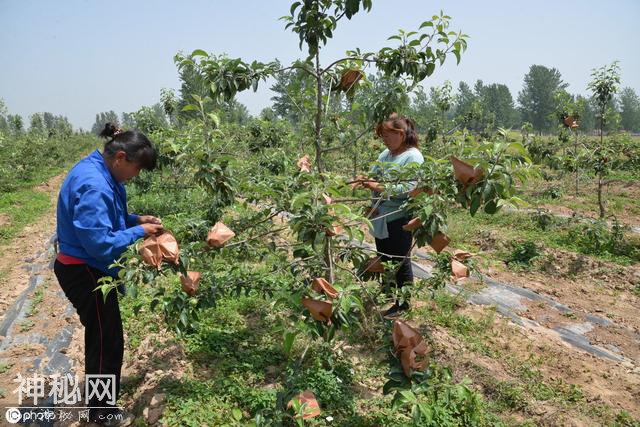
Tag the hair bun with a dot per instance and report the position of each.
(109, 130)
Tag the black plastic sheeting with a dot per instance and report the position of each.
(54, 359)
(508, 300)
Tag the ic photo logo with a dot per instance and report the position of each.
(13, 415)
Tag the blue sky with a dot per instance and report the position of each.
(80, 57)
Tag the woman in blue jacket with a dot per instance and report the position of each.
(94, 228)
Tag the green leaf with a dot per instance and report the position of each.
(236, 414)
(199, 52)
(426, 24)
(475, 204)
(409, 396)
(289, 338)
(430, 68)
(294, 7)
(190, 107)
(491, 207)
(457, 54)
(183, 318)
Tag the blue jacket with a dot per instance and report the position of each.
(93, 222)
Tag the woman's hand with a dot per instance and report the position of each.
(148, 219)
(362, 181)
(373, 185)
(151, 229)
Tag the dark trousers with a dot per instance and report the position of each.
(103, 334)
(398, 244)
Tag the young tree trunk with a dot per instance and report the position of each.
(600, 181)
(328, 255)
(355, 159)
(600, 201)
(575, 155)
(318, 141)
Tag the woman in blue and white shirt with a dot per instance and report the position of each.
(392, 242)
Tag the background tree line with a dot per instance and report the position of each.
(481, 107)
(46, 124)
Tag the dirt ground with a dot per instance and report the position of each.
(627, 189)
(601, 290)
(27, 244)
(596, 288)
(47, 320)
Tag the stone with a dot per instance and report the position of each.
(158, 399)
(152, 415)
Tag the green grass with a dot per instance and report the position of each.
(27, 325)
(444, 313)
(35, 301)
(22, 207)
(39, 160)
(510, 227)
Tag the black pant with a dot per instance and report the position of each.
(398, 244)
(103, 334)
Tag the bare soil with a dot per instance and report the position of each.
(27, 244)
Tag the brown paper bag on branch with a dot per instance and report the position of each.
(320, 310)
(461, 255)
(374, 265)
(219, 235)
(408, 344)
(439, 242)
(311, 407)
(349, 78)
(304, 164)
(334, 230)
(412, 225)
(190, 282)
(169, 248)
(321, 285)
(465, 173)
(416, 191)
(459, 270)
(150, 252)
(155, 249)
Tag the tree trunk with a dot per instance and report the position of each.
(575, 155)
(318, 141)
(328, 255)
(600, 182)
(355, 159)
(600, 201)
(328, 258)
